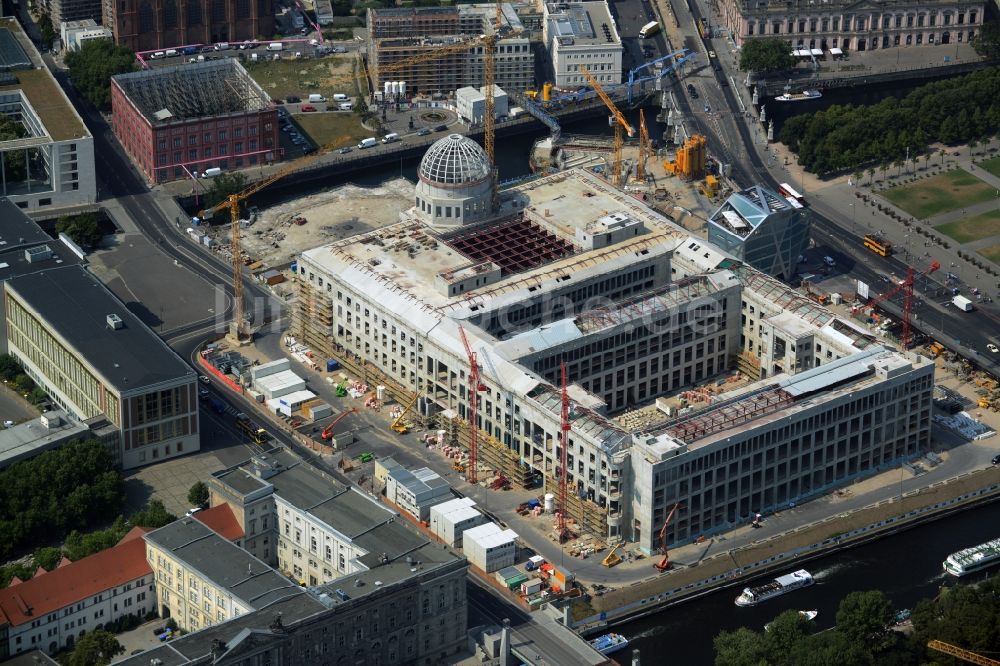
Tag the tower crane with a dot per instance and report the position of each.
(474, 388)
(564, 428)
(664, 564)
(489, 105)
(961, 653)
(906, 286)
(645, 148)
(621, 124)
(239, 328)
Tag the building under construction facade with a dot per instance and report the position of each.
(398, 37)
(177, 121)
(570, 270)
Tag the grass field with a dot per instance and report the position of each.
(992, 166)
(326, 76)
(992, 253)
(968, 229)
(323, 128)
(949, 191)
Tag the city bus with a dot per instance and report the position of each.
(789, 193)
(256, 434)
(649, 29)
(878, 245)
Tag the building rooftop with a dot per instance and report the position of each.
(33, 658)
(38, 435)
(76, 306)
(220, 519)
(454, 161)
(581, 24)
(489, 535)
(22, 244)
(77, 581)
(17, 230)
(418, 481)
(743, 212)
(223, 563)
(207, 89)
(60, 120)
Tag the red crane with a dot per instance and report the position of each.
(664, 564)
(906, 286)
(328, 431)
(564, 428)
(474, 388)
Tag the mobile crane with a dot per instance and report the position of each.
(664, 564)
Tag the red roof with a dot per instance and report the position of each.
(221, 520)
(35, 598)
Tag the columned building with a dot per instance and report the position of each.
(854, 26)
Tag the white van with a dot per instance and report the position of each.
(158, 55)
(346, 106)
(340, 97)
(170, 53)
(367, 143)
(275, 46)
(314, 98)
(391, 138)
(222, 46)
(211, 172)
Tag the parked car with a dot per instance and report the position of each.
(996, 459)
(993, 348)
(203, 393)
(441, 128)
(307, 108)
(204, 379)
(345, 150)
(292, 99)
(424, 131)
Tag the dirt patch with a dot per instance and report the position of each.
(331, 215)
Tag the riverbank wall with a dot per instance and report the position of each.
(779, 553)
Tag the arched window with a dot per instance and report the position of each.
(169, 14)
(193, 13)
(218, 11)
(242, 9)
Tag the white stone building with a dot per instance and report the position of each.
(470, 103)
(582, 33)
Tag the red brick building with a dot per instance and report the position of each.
(143, 25)
(175, 121)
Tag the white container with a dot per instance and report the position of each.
(440, 436)
(212, 172)
(550, 503)
(380, 393)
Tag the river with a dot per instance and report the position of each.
(906, 566)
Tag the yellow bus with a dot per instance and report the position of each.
(256, 434)
(878, 245)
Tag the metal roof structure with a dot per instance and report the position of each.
(12, 56)
(454, 160)
(515, 245)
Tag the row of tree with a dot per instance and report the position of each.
(951, 111)
(14, 377)
(92, 66)
(964, 615)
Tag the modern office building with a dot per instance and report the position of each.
(76, 33)
(847, 26)
(762, 228)
(53, 609)
(146, 25)
(50, 163)
(655, 327)
(396, 598)
(582, 33)
(95, 358)
(402, 34)
(177, 121)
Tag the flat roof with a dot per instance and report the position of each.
(584, 23)
(17, 230)
(75, 305)
(54, 109)
(32, 437)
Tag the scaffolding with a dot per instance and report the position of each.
(202, 90)
(516, 245)
(729, 414)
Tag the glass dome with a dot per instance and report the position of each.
(454, 160)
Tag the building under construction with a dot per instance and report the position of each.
(400, 36)
(177, 121)
(568, 270)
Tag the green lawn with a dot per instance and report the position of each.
(992, 253)
(991, 165)
(326, 76)
(968, 229)
(949, 191)
(323, 128)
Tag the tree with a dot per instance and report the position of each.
(927, 160)
(871, 175)
(153, 515)
(96, 648)
(987, 42)
(9, 367)
(942, 153)
(222, 186)
(857, 177)
(47, 558)
(864, 617)
(973, 144)
(83, 229)
(742, 647)
(198, 495)
(45, 27)
(92, 66)
(766, 55)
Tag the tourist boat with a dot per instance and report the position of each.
(609, 643)
(973, 559)
(782, 584)
(799, 96)
(806, 615)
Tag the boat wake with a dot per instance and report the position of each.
(829, 572)
(649, 633)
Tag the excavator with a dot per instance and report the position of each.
(398, 425)
(328, 431)
(664, 564)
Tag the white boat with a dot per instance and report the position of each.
(752, 596)
(609, 643)
(799, 96)
(973, 559)
(805, 615)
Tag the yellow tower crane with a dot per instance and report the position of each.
(645, 148)
(961, 653)
(489, 106)
(621, 123)
(239, 329)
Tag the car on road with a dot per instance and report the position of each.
(996, 459)
(8, 424)
(307, 108)
(711, 54)
(203, 393)
(993, 348)
(423, 131)
(692, 91)
(204, 379)
(441, 128)
(344, 150)
(292, 99)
